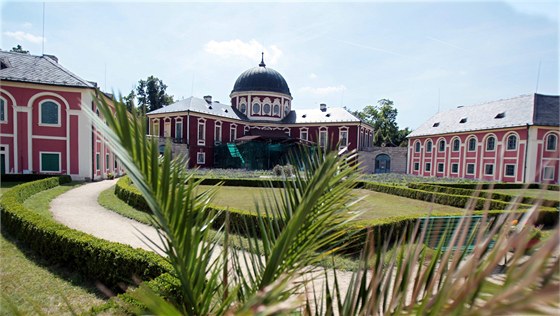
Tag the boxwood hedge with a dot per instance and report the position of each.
(110, 263)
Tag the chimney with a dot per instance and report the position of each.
(52, 57)
(323, 107)
(208, 99)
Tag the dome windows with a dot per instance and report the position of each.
(256, 108)
(266, 108)
(243, 108)
(276, 109)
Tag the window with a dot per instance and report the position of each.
(218, 132)
(50, 162)
(97, 161)
(489, 169)
(472, 144)
(155, 129)
(256, 108)
(441, 145)
(470, 168)
(548, 173)
(243, 108)
(417, 147)
(303, 135)
(323, 138)
(551, 141)
(179, 130)
(491, 143)
(456, 144)
(107, 161)
(3, 111)
(500, 115)
(266, 108)
(200, 158)
(286, 110)
(510, 170)
(49, 113)
(454, 168)
(416, 166)
(512, 142)
(440, 167)
(428, 166)
(232, 133)
(463, 120)
(429, 146)
(201, 133)
(115, 162)
(344, 138)
(276, 109)
(436, 124)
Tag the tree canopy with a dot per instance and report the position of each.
(383, 118)
(19, 49)
(149, 94)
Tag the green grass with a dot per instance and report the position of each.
(33, 286)
(534, 193)
(40, 202)
(374, 205)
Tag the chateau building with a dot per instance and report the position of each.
(512, 140)
(43, 128)
(257, 129)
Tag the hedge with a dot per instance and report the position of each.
(482, 194)
(110, 263)
(486, 186)
(33, 177)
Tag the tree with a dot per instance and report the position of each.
(150, 95)
(383, 119)
(129, 101)
(19, 49)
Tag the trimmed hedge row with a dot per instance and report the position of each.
(107, 262)
(33, 177)
(486, 186)
(482, 194)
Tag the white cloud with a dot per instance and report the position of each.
(312, 76)
(324, 90)
(250, 50)
(25, 37)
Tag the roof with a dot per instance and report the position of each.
(261, 79)
(38, 69)
(531, 109)
(198, 105)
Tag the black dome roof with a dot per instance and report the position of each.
(261, 79)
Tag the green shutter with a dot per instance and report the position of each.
(50, 162)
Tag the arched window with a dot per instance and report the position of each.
(551, 142)
(276, 109)
(441, 146)
(256, 108)
(3, 112)
(456, 144)
(491, 143)
(266, 108)
(243, 108)
(49, 113)
(512, 142)
(417, 147)
(472, 144)
(429, 146)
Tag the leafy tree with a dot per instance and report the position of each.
(19, 49)
(383, 118)
(150, 95)
(129, 101)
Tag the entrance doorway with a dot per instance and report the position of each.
(382, 163)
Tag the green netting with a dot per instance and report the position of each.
(253, 155)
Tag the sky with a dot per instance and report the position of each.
(424, 56)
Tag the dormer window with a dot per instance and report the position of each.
(500, 115)
(328, 115)
(304, 115)
(463, 120)
(436, 124)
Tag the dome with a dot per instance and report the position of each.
(261, 79)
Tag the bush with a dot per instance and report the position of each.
(33, 177)
(107, 262)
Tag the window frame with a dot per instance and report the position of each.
(506, 170)
(97, 161)
(442, 169)
(473, 169)
(157, 130)
(486, 169)
(441, 145)
(179, 122)
(508, 142)
(416, 166)
(544, 173)
(198, 156)
(429, 146)
(217, 132)
(232, 133)
(417, 146)
(201, 134)
(456, 141)
(493, 138)
(4, 110)
(301, 133)
(342, 131)
(455, 168)
(256, 105)
(428, 166)
(58, 114)
(323, 137)
(59, 154)
(243, 108)
(471, 141)
(548, 146)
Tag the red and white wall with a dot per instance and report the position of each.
(63, 145)
(530, 159)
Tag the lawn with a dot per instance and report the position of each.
(373, 205)
(534, 193)
(35, 286)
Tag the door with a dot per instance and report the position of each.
(382, 163)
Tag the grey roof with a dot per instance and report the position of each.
(38, 69)
(532, 109)
(308, 116)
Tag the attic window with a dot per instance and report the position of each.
(225, 110)
(4, 63)
(500, 115)
(436, 124)
(210, 107)
(463, 120)
(304, 115)
(328, 115)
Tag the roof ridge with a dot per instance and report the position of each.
(494, 101)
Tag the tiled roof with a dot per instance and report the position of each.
(192, 104)
(38, 69)
(514, 112)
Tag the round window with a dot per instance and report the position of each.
(266, 108)
(256, 108)
(243, 108)
(276, 109)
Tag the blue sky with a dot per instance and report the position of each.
(421, 55)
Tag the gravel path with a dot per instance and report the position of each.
(79, 209)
